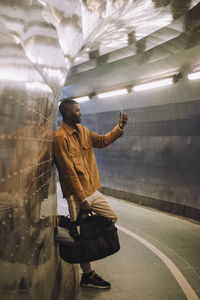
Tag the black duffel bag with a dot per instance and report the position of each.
(98, 238)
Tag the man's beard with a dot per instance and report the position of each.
(75, 120)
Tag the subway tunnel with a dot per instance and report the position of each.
(147, 53)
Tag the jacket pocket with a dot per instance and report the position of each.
(78, 162)
(85, 147)
(88, 153)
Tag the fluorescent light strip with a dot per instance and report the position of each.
(113, 93)
(82, 99)
(194, 76)
(153, 84)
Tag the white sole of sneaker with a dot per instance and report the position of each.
(95, 287)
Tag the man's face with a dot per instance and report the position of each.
(75, 116)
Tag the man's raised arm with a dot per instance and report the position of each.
(102, 141)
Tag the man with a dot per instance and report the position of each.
(78, 171)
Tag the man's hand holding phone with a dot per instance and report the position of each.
(123, 119)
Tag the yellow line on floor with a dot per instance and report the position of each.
(185, 286)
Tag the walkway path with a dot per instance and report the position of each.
(159, 257)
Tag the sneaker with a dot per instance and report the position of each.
(93, 280)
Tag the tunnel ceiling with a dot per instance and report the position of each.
(159, 37)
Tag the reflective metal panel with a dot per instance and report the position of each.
(31, 82)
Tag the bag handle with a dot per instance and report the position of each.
(80, 215)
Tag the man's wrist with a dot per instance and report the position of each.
(121, 126)
(85, 205)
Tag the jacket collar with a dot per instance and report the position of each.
(68, 128)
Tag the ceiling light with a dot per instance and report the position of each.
(193, 76)
(153, 84)
(82, 99)
(113, 93)
(77, 58)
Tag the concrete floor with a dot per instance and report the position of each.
(136, 272)
(159, 257)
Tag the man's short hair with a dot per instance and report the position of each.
(65, 105)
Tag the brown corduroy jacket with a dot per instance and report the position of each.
(76, 161)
